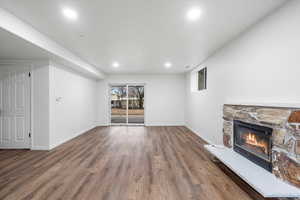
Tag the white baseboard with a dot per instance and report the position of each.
(102, 125)
(198, 134)
(40, 148)
(164, 125)
(52, 146)
(12, 147)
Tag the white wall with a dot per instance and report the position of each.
(40, 106)
(261, 66)
(164, 98)
(63, 105)
(72, 104)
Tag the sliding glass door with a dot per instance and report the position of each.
(127, 104)
(118, 104)
(136, 104)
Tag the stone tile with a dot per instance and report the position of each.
(290, 145)
(273, 116)
(228, 112)
(278, 136)
(286, 168)
(227, 141)
(294, 117)
(295, 127)
(297, 151)
(245, 116)
(249, 109)
(227, 127)
(278, 112)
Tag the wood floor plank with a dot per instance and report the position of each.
(121, 163)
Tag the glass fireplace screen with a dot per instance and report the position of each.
(254, 141)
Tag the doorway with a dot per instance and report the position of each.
(127, 104)
(15, 107)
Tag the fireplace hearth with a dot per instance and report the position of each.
(253, 142)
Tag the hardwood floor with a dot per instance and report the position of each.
(120, 163)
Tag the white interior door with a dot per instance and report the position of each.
(14, 107)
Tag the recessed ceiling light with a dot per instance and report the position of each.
(116, 64)
(70, 13)
(168, 64)
(194, 14)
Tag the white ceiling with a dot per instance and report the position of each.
(142, 35)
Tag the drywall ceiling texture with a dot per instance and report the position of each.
(164, 98)
(141, 35)
(262, 67)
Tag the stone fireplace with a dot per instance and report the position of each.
(268, 136)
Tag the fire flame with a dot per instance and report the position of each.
(251, 139)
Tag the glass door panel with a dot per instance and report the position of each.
(118, 104)
(136, 104)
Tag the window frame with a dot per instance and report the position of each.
(204, 81)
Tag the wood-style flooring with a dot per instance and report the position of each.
(121, 163)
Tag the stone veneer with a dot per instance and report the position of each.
(285, 123)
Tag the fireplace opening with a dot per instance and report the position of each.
(254, 142)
